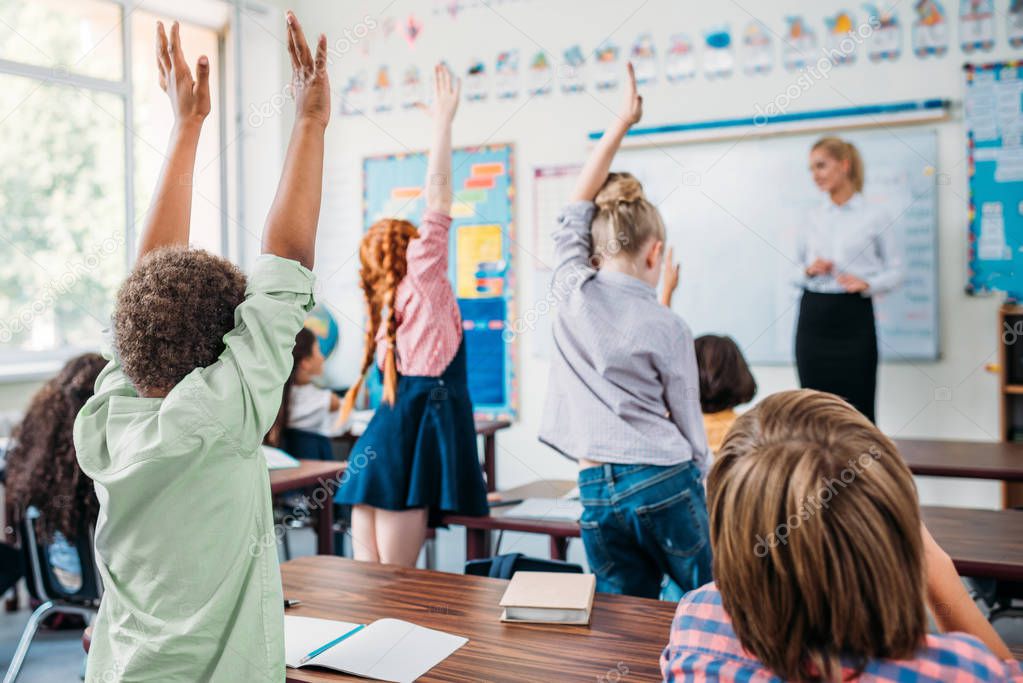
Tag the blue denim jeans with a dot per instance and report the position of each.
(642, 522)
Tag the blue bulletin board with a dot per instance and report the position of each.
(480, 263)
(994, 124)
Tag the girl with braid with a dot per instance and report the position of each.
(417, 459)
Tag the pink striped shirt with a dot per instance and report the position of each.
(703, 647)
(429, 322)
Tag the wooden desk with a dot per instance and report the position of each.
(488, 430)
(324, 475)
(625, 633)
(1000, 460)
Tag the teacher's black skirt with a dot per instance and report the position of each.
(836, 347)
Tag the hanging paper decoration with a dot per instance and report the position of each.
(799, 45)
(644, 59)
(571, 72)
(930, 30)
(840, 43)
(885, 42)
(718, 59)
(541, 74)
(383, 91)
(977, 25)
(1016, 23)
(413, 27)
(680, 64)
(453, 7)
(411, 88)
(607, 67)
(476, 81)
(758, 53)
(354, 95)
(388, 25)
(507, 75)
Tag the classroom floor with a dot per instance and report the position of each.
(57, 657)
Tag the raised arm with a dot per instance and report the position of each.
(670, 279)
(167, 222)
(291, 224)
(446, 94)
(594, 173)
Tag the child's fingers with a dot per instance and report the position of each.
(179, 65)
(296, 64)
(301, 45)
(202, 71)
(162, 57)
(456, 91)
(321, 55)
(632, 78)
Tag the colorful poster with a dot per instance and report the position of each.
(573, 72)
(476, 85)
(412, 94)
(541, 74)
(800, 44)
(481, 265)
(506, 75)
(1015, 20)
(718, 58)
(383, 91)
(930, 30)
(885, 42)
(355, 95)
(680, 64)
(607, 68)
(977, 25)
(757, 49)
(644, 59)
(413, 27)
(840, 40)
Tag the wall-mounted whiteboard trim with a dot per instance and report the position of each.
(899, 113)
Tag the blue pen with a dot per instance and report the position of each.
(331, 644)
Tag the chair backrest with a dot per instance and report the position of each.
(43, 564)
(505, 566)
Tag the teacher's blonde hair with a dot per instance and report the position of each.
(842, 150)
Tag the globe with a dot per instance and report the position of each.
(321, 323)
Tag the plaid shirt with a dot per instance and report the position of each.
(429, 322)
(703, 647)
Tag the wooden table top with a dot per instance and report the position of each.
(984, 543)
(308, 473)
(490, 427)
(1000, 460)
(625, 634)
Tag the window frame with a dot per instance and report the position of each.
(21, 366)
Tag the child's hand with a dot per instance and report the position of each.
(671, 268)
(189, 98)
(309, 80)
(447, 92)
(632, 108)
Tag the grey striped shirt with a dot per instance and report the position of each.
(623, 386)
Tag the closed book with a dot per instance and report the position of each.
(549, 598)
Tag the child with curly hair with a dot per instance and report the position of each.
(419, 450)
(172, 436)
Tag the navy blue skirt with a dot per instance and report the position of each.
(420, 452)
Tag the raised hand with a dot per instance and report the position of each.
(447, 92)
(670, 274)
(632, 107)
(309, 80)
(189, 97)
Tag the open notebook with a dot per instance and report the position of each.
(276, 459)
(386, 650)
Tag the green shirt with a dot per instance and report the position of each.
(185, 539)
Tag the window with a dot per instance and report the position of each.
(82, 140)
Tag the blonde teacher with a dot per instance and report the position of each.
(846, 255)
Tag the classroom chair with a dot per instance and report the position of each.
(505, 566)
(42, 578)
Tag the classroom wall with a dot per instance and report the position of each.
(951, 398)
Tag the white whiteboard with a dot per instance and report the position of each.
(732, 207)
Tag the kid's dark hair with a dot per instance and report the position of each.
(42, 467)
(725, 378)
(304, 342)
(172, 313)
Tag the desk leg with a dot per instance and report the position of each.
(489, 461)
(559, 548)
(325, 529)
(476, 543)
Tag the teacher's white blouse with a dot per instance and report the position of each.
(858, 237)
